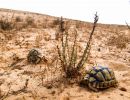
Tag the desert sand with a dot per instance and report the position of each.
(110, 47)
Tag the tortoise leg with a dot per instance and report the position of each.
(38, 60)
(116, 84)
(91, 87)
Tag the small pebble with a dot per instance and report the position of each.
(99, 49)
(122, 94)
(123, 89)
(53, 92)
(49, 87)
(97, 96)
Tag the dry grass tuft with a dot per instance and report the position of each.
(6, 24)
(29, 20)
(18, 19)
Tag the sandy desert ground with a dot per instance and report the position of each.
(20, 80)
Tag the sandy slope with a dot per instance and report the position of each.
(42, 76)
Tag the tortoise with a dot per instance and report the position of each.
(99, 77)
(33, 56)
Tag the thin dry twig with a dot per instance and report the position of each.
(23, 89)
(127, 25)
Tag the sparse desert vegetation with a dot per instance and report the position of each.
(64, 47)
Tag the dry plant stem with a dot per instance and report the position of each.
(6, 20)
(67, 47)
(60, 57)
(84, 57)
(42, 76)
(12, 19)
(61, 60)
(75, 56)
(127, 25)
(61, 28)
(73, 53)
(61, 24)
(64, 50)
(26, 84)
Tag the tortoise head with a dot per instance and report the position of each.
(83, 83)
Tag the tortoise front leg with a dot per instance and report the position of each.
(93, 88)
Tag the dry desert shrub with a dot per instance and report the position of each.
(14, 23)
(79, 24)
(68, 54)
(18, 19)
(56, 21)
(44, 23)
(6, 23)
(120, 41)
(29, 20)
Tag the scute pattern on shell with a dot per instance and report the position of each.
(100, 77)
(33, 56)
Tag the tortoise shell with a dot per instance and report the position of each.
(33, 56)
(100, 77)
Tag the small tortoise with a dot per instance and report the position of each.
(33, 56)
(100, 78)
